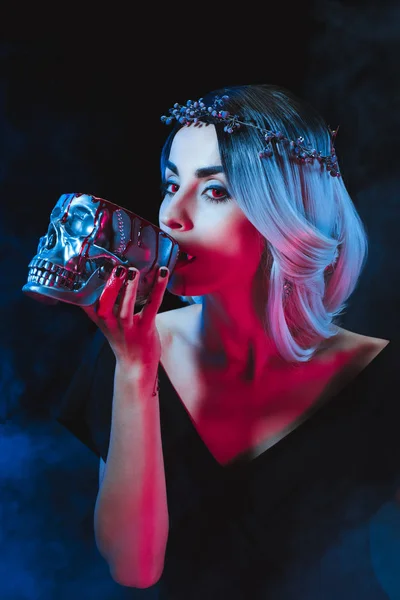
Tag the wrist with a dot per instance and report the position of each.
(143, 376)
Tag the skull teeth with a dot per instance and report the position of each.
(51, 281)
(46, 273)
(40, 272)
(44, 266)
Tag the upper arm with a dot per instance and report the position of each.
(102, 467)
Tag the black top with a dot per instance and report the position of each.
(315, 517)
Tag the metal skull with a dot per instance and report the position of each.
(86, 238)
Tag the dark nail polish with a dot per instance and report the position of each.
(131, 274)
(163, 272)
(118, 272)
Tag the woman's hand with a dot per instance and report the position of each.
(133, 338)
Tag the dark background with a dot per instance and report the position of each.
(80, 111)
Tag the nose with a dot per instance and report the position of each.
(174, 211)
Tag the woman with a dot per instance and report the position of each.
(214, 500)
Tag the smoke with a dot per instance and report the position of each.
(63, 130)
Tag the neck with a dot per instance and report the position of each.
(232, 336)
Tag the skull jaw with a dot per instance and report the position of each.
(38, 295)
(88, 294)
(90, 291)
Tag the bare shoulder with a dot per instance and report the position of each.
(364, 347)
(178, 315)
(173, 321)
(171, 318)
(354, 338)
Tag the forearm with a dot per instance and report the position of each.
(131, 513)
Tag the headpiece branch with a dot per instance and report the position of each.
(197, 113)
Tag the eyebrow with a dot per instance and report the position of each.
(199, 173)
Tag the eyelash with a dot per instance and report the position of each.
(225, 198)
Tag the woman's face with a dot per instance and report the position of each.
(200, 213)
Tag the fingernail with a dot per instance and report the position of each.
(118, 272)
(163, 272)
(131, 274)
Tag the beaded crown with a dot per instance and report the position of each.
(197, 113)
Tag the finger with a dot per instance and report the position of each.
(157, 294)
(129, 299)
(105, 309)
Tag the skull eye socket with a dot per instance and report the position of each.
(56, 212)
(79, 224)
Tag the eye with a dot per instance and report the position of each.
(214, 193)
(217, 194)
(169, 187)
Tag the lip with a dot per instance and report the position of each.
(183, 250)
(181, 265)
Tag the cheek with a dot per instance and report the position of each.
(229, 250)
